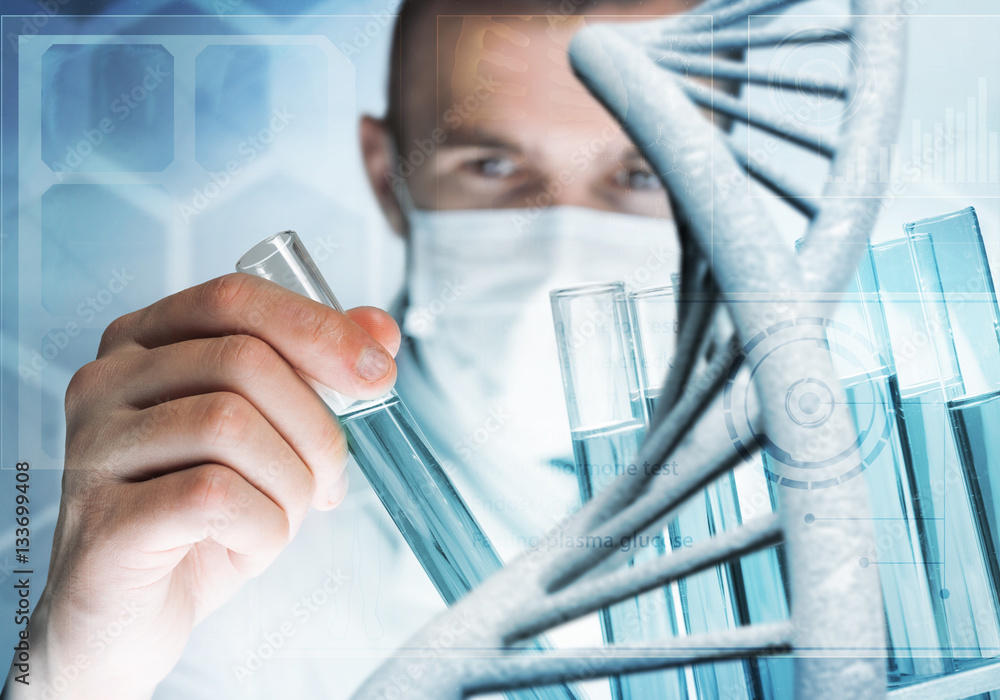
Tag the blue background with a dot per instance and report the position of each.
(146, 200)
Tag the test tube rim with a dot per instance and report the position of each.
(891, 243)
(285, 238)
(937, 219)
(970, 400)
(587, 288)
(652, 292)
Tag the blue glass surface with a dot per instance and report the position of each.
(107, 107)
(253, 100)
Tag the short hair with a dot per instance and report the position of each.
(413, 12)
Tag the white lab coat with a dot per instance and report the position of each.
(343, 595)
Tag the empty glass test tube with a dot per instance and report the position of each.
(395, 458)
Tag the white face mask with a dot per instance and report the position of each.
(481, 322)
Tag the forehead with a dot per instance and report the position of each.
(484, 74)
(498, 71)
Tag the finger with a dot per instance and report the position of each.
(246, 366)
(339, 490)
(210, 501)
(379, 325)
(323, 343)
(222, 428)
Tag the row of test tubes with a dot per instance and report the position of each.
(928, 305)
(615, 349)
(915, 341)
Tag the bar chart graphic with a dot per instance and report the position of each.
(958, 148)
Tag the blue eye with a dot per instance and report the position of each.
(496, 167)
(637, 180)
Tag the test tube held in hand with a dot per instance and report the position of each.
(395, 458)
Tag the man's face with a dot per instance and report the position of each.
(508, 124)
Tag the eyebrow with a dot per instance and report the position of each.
(465, 137)
(631, 152)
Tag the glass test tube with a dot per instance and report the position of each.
(716, 599)
(965, 622)
(606, 420)
(394, 457)
(949, 253)
(859, 347)
(950, 249)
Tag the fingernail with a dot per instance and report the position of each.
(373, 364)
(338, 490)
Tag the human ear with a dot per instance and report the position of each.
(378, 150)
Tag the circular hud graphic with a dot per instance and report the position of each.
(809, 403)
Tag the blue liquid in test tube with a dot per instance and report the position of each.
(907, 560)
(607, 428)
(745, 591)
(959, 566)
(950, 257)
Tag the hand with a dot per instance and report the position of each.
(193, 452)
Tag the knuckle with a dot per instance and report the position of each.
(322, 327)
(116, 332)
(224, 419)
(81, 383)
(86, 384)
(211, 488)
(247, 356)
(227, 295)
